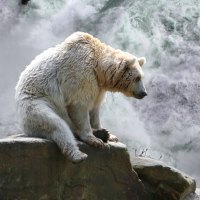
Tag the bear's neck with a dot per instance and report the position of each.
(109, 75)
(107, 67)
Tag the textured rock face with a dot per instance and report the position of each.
(24, 2)
(195, 196)
(34, 169)
(163, 182)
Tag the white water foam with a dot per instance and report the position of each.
(167, 121)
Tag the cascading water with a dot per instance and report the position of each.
(167, 33)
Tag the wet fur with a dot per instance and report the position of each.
(60, 92)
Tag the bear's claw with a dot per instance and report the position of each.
(77, 156)
(113, 138)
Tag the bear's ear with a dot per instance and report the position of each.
(142, 61)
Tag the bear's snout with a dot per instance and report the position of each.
(141, 95)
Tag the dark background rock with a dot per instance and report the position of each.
(34, 169)
(162, 181)
(24, 2)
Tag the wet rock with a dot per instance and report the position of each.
(35, 169)
(24, 2)
(162, 181)
(194, 196)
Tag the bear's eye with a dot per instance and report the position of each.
(126, 66)
(137, 79)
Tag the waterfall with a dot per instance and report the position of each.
(167, 33)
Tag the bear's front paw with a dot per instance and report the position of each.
(93, 141)
(102, 134)
(105, 135)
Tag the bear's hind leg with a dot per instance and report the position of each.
(42, 121)
(74, 154)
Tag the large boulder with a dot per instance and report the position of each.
(35, 169)
(162, 181)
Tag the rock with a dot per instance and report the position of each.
(35, 169)
(162, 181)
(24, 2)
(193, 196)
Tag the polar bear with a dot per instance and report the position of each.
(59, 93)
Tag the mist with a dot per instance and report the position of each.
(167, 121)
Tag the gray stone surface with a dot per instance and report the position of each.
(195, 196)
(162, 181)
(34, 169)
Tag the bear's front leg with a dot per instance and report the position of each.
(99, 132)
(94, 118)
(81, 121)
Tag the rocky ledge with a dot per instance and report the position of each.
(34, 169)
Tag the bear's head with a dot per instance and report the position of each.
(123, 73)
(132, 78)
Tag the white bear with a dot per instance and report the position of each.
(59, 93)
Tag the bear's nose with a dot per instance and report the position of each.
(142, 94)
